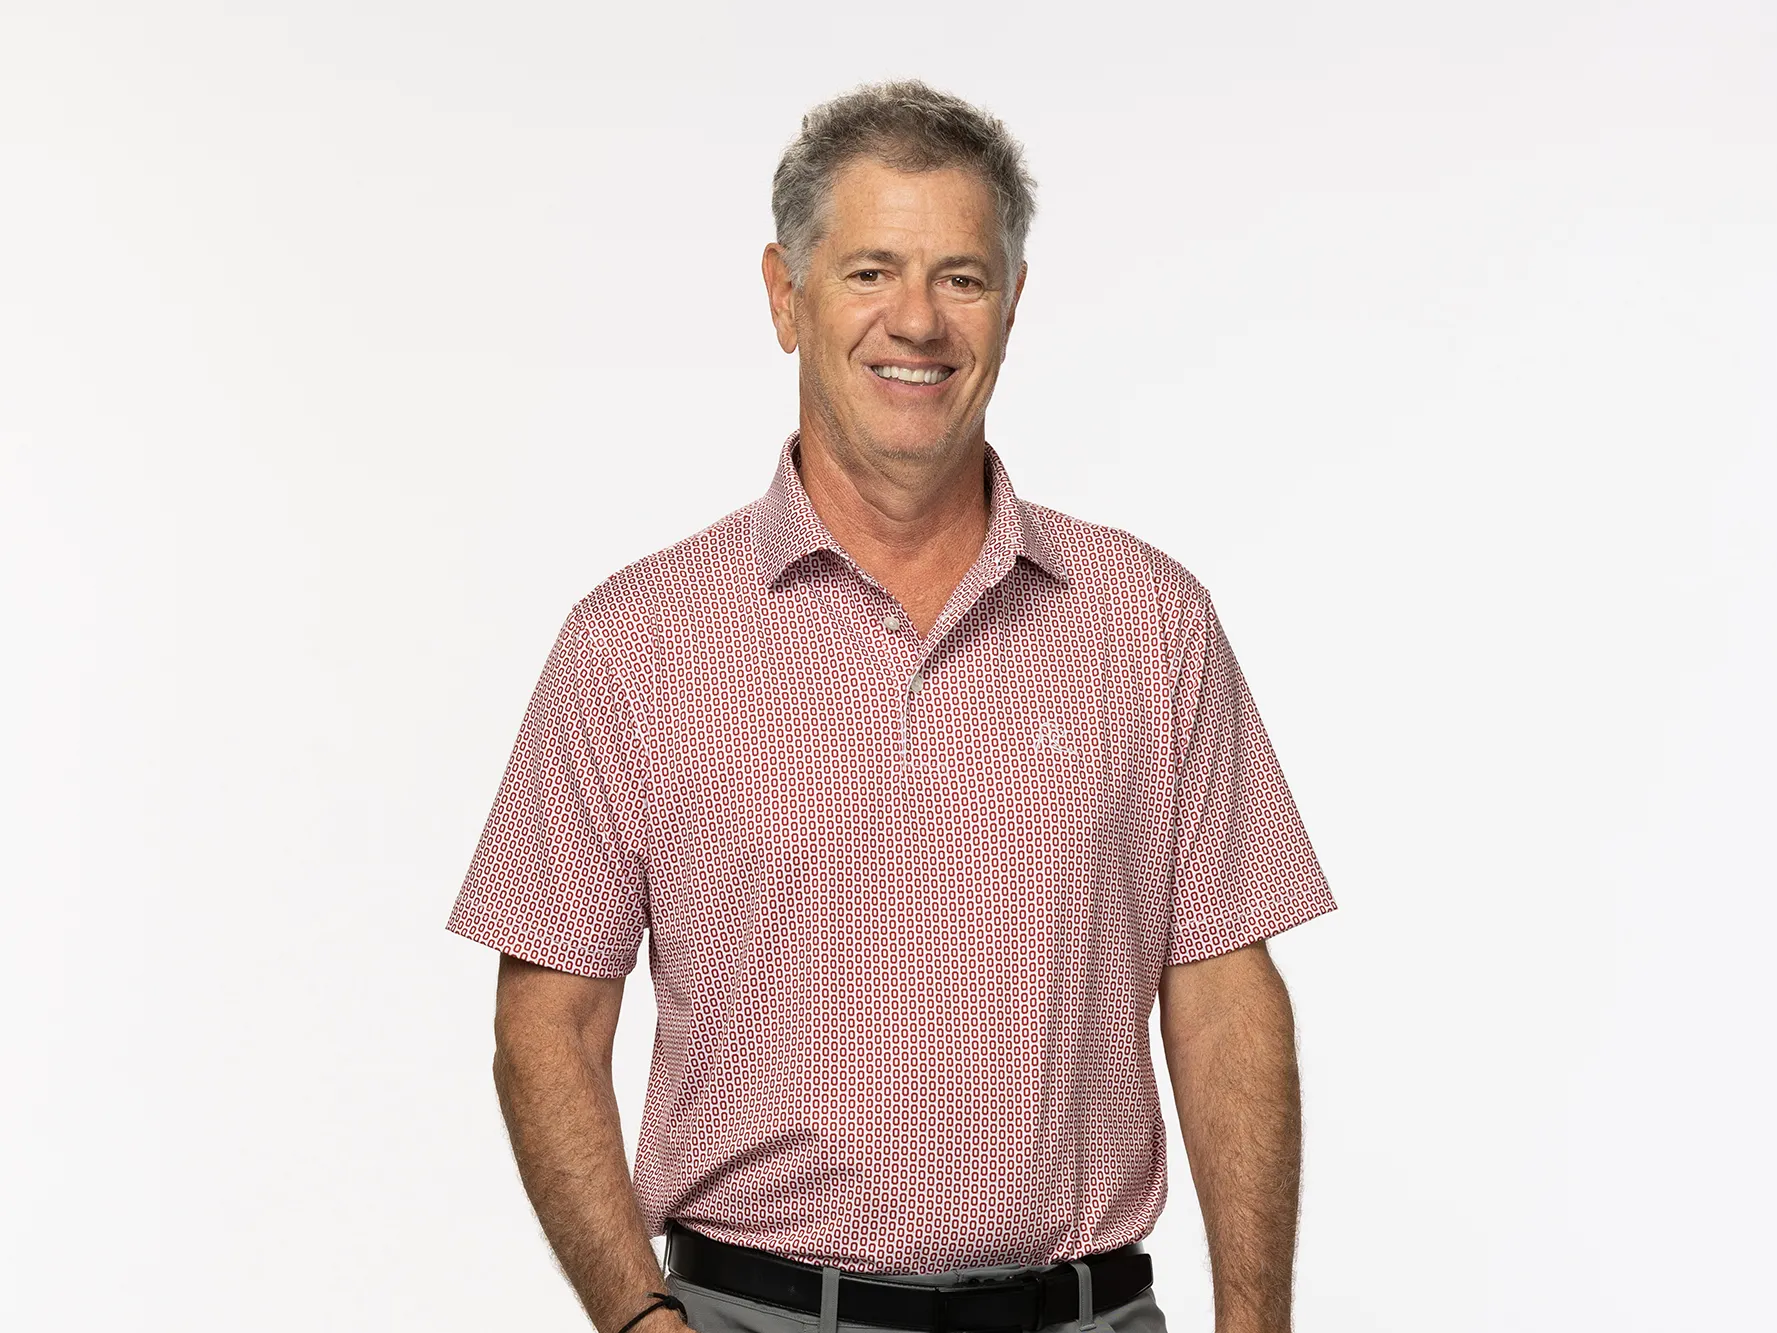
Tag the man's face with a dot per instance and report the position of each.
(903, 317)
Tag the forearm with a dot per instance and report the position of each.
(561, 1112)
(1239, 1101)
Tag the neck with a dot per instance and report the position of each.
(907, 520)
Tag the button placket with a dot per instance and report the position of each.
(856, 607)
(917, 686)
(904, 654)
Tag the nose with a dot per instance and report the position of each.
(914, 315)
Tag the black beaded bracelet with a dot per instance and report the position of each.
(667, 1301)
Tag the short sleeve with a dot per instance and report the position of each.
(559, 876)
(1244, 867)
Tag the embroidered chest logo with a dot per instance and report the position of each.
(1050, 736)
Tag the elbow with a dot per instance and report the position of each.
(514, 1054)
(501, 1068)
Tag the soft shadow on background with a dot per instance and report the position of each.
(343, 347)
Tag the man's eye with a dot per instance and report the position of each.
(868, 274)
(964, 282)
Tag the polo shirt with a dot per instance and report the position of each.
(907, 899)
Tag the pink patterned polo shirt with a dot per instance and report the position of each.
(907, 899)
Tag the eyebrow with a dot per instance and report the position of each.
(891, 257)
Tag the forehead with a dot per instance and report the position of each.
(945, 209)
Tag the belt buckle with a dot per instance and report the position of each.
(1033, 1279)
(1030, 1320)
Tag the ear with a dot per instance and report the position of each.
(780, 290)
(1017, 291)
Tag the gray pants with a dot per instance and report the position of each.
(712, 1311)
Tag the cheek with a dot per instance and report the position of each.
(844, 329)
(985, 348)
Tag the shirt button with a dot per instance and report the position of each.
(914, 684)
(890, 624)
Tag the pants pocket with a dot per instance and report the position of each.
(711, 1311)
(1141, 1315)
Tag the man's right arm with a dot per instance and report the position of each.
(553, 1033)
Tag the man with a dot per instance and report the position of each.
(924, 795)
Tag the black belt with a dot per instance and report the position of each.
(1030, 1300)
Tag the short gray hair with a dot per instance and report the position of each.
(908, 126)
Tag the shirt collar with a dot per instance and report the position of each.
(786, 527)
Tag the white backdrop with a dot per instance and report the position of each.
(344, 346)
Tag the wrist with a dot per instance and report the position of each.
(658, 1312)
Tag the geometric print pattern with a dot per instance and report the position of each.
(907, 900)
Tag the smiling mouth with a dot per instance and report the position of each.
(908, 375)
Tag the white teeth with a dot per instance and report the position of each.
(906, 376)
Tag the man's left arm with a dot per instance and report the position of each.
(1230, 1043)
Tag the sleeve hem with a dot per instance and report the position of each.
(1319, 906)
(583, 965)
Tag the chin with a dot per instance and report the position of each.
(910, 441)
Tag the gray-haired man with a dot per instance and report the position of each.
(924, 794)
